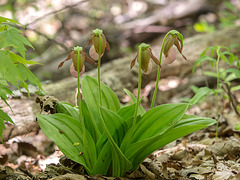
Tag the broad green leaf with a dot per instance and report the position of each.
(3, 117)
(73, 111)
(157, 120)
(91, 96)
(65, 131)
(201, 92)
(138, 151)
(103, 160)
(115, 124)
(90, 124)
(112, 123)
(68, 109)
(11, 37)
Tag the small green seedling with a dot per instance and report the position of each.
(223, 76)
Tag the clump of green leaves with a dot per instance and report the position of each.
(110, 139)
(223, 76)
(14, 67)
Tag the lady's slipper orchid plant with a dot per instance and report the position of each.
(105, 137)
(99, 44)
(173, 37)
(168, 50)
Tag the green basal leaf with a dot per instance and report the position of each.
(103, 160)
(90, 95)
(112, 123)
(3, 117)
(72, 111)
(65, 131)
(153, 123)
(157, 120)
(188, 124)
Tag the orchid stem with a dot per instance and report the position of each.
(80, 110)
(138, 95)
(217, 71)
(159, 72)
(99, 63)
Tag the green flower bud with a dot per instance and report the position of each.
(95, 41)
(168, 51)
(146, 54)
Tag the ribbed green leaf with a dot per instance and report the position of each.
(65, 131)
(157, 120)
(73, 111)
(138, 151)
(91, 97)
(103, 160)
(113, 123)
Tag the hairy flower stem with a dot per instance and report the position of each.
(139, 90)
(80, 110)
(99, 63)
(217, 71)
(159, 72)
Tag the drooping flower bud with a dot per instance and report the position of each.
(95, 41)
(77, 54)
(168, 50)
(146, 54)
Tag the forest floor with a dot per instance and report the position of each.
(197, 156)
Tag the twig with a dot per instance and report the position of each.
(45, 36)
(232, 99)
(26, 172)
(54, 12)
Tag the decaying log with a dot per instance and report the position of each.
(117, 75)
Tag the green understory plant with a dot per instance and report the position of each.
(224, 76)
(13, 65)
(107, 138)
